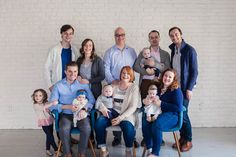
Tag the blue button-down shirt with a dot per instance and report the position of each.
(115, 59)
(65, 93)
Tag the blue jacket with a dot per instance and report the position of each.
(189, 66)
(171, 100)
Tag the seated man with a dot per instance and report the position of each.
(65, 91)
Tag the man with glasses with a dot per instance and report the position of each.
(116, 57)
(162, 59)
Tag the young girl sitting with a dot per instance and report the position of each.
(45, 120)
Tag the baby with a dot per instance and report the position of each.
(105, 101)
(148, 61)
(79, 102)
(151, 110)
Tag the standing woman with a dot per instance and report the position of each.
(126, 100)
(171, 102)
(91, 67)
(91, 70)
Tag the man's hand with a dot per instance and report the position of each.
(150, 71)
(189, 94)
(82, 114)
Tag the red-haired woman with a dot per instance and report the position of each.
(126, 99)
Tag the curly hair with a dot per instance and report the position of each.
(45, 96)
(174, 84)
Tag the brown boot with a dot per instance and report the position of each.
(181, 142)
(186, 147)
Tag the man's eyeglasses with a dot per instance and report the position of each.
(119, 35)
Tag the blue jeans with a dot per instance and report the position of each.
(49, 137)
(152, 131)
(127, 128)
(186, 130)
(65, 125)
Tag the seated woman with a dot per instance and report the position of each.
(126, 100)
(171, 101)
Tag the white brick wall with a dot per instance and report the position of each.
(29, 27)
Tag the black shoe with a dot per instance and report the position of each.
(143, 143)
(163, 143)
(74, 141)
(136, 144)
(116, 142)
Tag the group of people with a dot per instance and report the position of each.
(75, 83)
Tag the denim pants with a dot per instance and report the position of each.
(65, 125)
(186, 130)
(152, 131)
(49, 137)
(127, 128)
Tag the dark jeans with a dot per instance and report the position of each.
(127, 128)
(49, 137)
(152, 131)
(186, 130)
(65, 125)
(112, 114)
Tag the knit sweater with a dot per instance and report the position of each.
(130, 104)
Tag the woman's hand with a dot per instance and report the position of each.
(147, 101)
(116, 121)
(157, 102)
(82, 81)
(105, 111)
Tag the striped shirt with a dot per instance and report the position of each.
(118, 96)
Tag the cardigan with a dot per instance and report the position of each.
(97, 75)
(130, 104)
(53, 64)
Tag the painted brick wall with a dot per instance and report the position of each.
(29, 28)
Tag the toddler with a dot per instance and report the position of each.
(151, 110)
(105, 101)
(45, 119)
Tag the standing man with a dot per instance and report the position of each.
(58, 56)
(162, 58)
(184, 61)
(115, 59)
(65, 92)
(162, 62)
